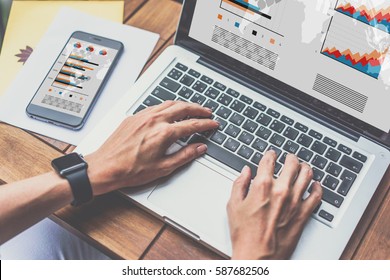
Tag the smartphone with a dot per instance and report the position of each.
(72, 86)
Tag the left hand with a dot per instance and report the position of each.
(135, 154)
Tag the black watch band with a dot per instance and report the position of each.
(73, 167)
(80, 185)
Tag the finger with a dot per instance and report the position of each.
(263, 181)
(241, 185)
(290, 170)
(312, 201)
(183, 156)
(300, 185)
(181, 110)
(189, 127)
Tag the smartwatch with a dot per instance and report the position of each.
(73, 167)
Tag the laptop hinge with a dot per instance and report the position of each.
(275, 96)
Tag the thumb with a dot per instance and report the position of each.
(183, 156)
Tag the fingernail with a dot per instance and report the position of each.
(244, 168)
(201, 149)
(209, 109)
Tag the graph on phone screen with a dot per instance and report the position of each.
(265, 13)
(358, 46)
(374, 13)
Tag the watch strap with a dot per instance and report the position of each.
(80, 185)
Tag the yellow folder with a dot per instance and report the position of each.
(28, 22)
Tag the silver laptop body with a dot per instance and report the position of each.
(241, 47)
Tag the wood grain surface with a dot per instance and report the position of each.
(123, 230)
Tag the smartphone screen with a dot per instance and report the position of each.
(75, 78)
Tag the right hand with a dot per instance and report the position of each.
(267, 219)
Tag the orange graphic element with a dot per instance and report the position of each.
(272, 41)
(219, 16)
(374, 58)
(239, 7)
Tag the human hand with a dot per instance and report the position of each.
(267, 219)
(135, 154)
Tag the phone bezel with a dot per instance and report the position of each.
(66, 120)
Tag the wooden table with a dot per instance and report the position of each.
(124, 231)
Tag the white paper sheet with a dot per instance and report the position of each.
(138, 45)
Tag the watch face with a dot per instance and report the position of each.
(67, 161)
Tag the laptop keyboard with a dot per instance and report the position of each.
(248, 129)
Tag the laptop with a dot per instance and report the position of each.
(305, 77)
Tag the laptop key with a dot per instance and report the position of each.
(175, 74)
(259, 106)
(218, 137)
(194, 73)
(207, 80)
(282, 159)
(327, 216)
(198, 98)
(232, 130)
(287, 120)
(246, 99)
(331, 182)
(263, 132)
(237, 119)
(212, 93)
(305, 154)
(344, 149)
(277, 140)
(237, 106)
(305, 140)
(232, 92)
(220, 86)
(317, 208)
(260, 145)
(301, 127)
(359, 156)
(163, 94)
(347, 178)
(315, 134)
(264, 119)
(256, 158)
(182, 67)
(291, 133)
(231, 145)
(139, 109)
(222, 123)
(224, 112)
(199, 86)
(246, 138)
(211, 105)
(170, 84)
(291, 147)
(278, 166)
(250, 126)
(334, 169)
(330, 197)
(273, 113)
(277, 126)
(318, 147)
(332, 154)
(233, 161)
(330, 142)
(151, 101)
(319, 162)
(351, 164)
(245, 152)
(277, 151)
(251, 113)
(185, 92)
(317, 174)
(225, 99)
(187, 80)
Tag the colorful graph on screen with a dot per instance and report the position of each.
(265, 13)
(368, 63)
(369, 12)
(357, 46)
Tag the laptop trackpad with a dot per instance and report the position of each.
(195, 197)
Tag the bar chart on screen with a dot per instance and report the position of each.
(357, 46)
(374, 13)
(267, 14)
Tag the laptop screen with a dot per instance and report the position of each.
(337, 51)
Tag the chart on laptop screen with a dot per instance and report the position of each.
(335, 50)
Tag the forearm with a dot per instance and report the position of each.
(24, 203)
